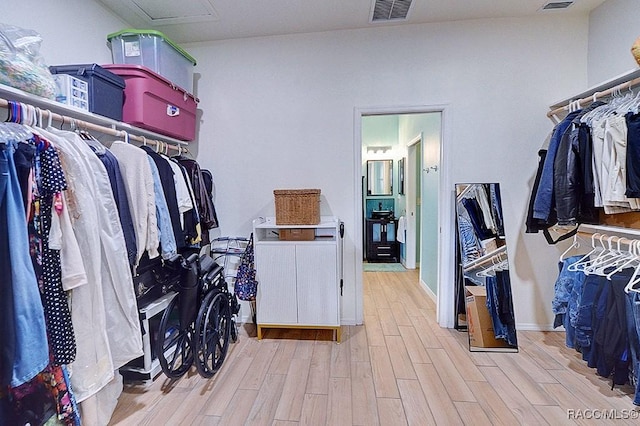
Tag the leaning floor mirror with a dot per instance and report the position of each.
(483, 288)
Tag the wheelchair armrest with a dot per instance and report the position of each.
(206, 264)
(211, 276)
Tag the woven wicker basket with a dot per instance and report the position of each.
(635, 50)
(297, 206)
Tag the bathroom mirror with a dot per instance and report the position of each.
(379, 177)
(483, 287)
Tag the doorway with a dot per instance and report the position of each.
(419, 144)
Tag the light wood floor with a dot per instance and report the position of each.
(399, 368)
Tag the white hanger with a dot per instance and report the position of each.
(580, 263)
(632, 256)
(603, 258)
(612, 259)
(39, 111)
(574, 245)
(633, 281)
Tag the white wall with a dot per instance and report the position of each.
(73, 31)
(278, 112)
(613, 27)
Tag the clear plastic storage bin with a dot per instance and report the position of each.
(155, 51)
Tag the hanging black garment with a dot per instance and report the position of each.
(169, 189)
(536, 225)
(191, 217)
(477, 219)
(50, 181)
(206, 209)
(612, 333)
(568, 179)
(23, 158)
(122, 202)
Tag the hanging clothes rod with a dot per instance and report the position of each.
(465, 191)
(489, 257)
(87, 120)
(586, 229)
(85, 125)
(601, 91)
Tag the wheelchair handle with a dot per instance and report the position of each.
(186, 263)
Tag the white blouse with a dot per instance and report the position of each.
(138, 180)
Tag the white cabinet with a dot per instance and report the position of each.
(298, 281)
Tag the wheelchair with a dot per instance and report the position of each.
(199, 322)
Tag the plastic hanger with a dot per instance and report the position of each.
(632, 256)
(614, 258)
(4, 133)
(635, 278)
(580, 263)
(94, 143)
(602, 259)
(574, 245)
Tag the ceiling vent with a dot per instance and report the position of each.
(555, 5)
(390, 10)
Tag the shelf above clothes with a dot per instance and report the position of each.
(65, 114)
(500, 251)
(623, 81)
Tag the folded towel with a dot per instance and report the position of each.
(402, 227)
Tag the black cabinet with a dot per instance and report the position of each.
(381, 240)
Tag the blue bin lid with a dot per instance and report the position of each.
(89, 70)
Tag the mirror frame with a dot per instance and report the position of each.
(371, 177)
(401, 176)
(487, 261)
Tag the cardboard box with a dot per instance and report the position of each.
(479, 322)
(297, 234)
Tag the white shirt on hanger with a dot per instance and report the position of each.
(138, 180)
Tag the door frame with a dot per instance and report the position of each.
(445, 307)
(413, 238)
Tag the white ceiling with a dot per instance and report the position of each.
(186, 21)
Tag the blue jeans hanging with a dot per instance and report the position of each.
(24, 342)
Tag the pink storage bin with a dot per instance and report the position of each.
(152, 102)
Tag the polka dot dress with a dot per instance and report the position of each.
(50, 182)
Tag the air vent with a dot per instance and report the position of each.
(557, 5)
(390, 10)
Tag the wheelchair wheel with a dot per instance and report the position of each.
(234, 306)
(214, 326)
(174, 345)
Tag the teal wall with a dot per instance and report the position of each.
(429, 124)
(381, 130)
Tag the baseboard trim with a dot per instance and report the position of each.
(536, 327)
